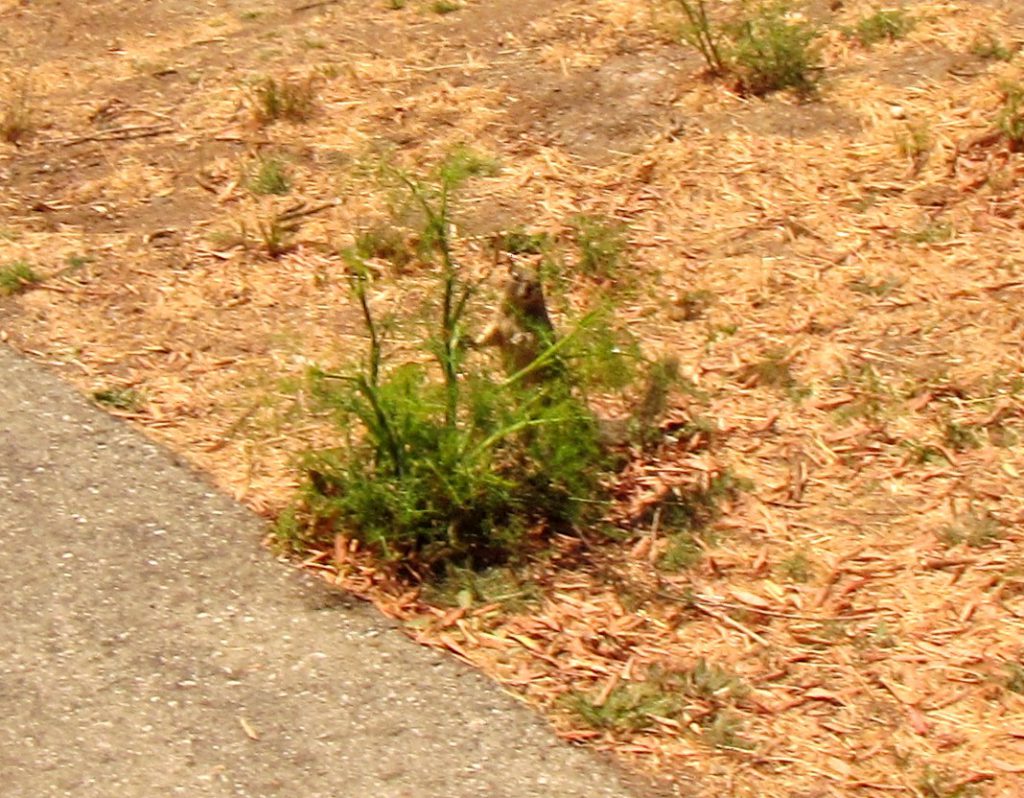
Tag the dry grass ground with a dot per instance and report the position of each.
(841, 280)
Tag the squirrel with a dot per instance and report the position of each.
(522, 328)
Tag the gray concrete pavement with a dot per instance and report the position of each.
(146, 640)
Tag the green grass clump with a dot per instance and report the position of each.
(16, 277)
(766, 49)
(444, 7)
(270, 177)
(635, 705)
(442, 463)
(771, 51)
(884, 24)
(293, 99)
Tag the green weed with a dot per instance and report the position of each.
(915, 144)
(960, 437)
(119, 398)
(444, 6)
(881, 287)
(601, 245)
(884, 24)
(773, 370)
(293, 99)
(771, 51)
(694, 304)
(270, 177)
(723, 731)
(992, 48)
(16, 277)
(629, 707)
(683, 552)
(977, 530)
(797, 567)
(1015, 677)
(385, 242)
(634, 705)
(933, 231)
(441, 463)
(767, 49)
(1010, 119)
(700, 32)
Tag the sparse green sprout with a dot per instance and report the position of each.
(724, 732)
(270, 177)
(700, 32)
(119, 398)
(385, 242)
(16, 277)
(293, 99)
(797, 567)
(881, 636)
(960, 437)
(520, 242)
(772, 50)
(884, 24)
(16, 122)
(634, 705)
(1010, 119)
(396, 5)
(662, 375)
(977, 530)
(629, 707)
(1015, 677)
(915, 144)
(880, 287)
(710, 681)
(992, 48)
(445, 6)
(933, 231)
(694, 304)
(683, 552)
(601, 245)
(773, 370)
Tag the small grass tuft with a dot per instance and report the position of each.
(1010, 119)
(1015, 677)
(293, 99)
(976, 530)
(444, 6)
(119, 398)
(884, 24)
(797, 567)
(16, 277)
(992, 48)
(386, 242)
(270, 176)
(16, 117)
(601, 244)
